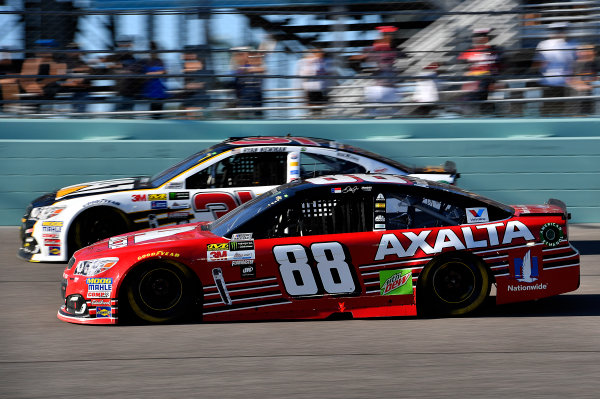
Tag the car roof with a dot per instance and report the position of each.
(373, 179)
(295, 141)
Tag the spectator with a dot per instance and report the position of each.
(195, 84)
(484, 63)
(45, 86)
(313, 65)
(123, 62)
(9, 87)
(77, 84)
(247, 84)
(586, 73)
(426, 90)
(154, 88)
(555, 58)
(383, 57)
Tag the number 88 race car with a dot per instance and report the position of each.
(202, 187)
(361, 245)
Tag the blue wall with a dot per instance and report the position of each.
(514, 161)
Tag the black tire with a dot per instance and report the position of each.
(96, 225)
(158, 292)
(453, 286)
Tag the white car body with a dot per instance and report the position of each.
(200, 190)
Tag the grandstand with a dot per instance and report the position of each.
(425, 32)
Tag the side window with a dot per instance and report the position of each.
(314, 165)
(242, 170)
(406, 211)
(325, 214)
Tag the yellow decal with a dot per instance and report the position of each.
(157, 197)
(68, 190)
(159, 253)
(217, 247)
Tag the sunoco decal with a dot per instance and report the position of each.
(395, 282)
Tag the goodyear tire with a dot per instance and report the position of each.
(95, 225)
(158, 292)
(453, 286)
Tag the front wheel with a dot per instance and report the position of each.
(453, 286)
(95, 225)
(160, 293)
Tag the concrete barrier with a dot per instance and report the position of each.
(520, 161)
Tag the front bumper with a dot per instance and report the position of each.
(81, 310)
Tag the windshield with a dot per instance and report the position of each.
(182, 166)
(228, 223)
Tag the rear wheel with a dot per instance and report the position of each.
(453, 286)
(159, 292)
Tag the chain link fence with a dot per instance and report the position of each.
(305, 59)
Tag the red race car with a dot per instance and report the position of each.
(361, 245)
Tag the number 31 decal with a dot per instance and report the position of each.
(333, 272)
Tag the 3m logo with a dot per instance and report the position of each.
(138, 197)
(213, 256)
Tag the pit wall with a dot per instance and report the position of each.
(518, 161)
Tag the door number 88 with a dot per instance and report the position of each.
(299, 278)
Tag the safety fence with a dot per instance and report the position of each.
(303, 59)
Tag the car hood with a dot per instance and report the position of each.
(164, 235)
(100, 187)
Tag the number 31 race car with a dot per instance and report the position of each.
(366, 245)
(202, 187)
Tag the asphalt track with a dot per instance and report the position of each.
(548, 348)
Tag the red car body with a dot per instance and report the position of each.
(364, 245)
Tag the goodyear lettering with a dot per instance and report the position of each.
(408, 243)
(159, 253)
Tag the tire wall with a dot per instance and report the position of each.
(520, 161)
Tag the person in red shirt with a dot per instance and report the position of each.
(484, 63)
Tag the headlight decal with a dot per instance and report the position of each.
(46, 212)
(94, 266)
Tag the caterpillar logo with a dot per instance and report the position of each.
(218, 247)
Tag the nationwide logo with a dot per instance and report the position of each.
(533, 287)
(526, 268)
(395, 282)
(380, 197)
(380, 218)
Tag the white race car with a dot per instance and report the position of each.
(202, 187)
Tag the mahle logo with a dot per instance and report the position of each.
(396, 282)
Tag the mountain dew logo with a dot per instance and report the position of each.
(396, 282)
